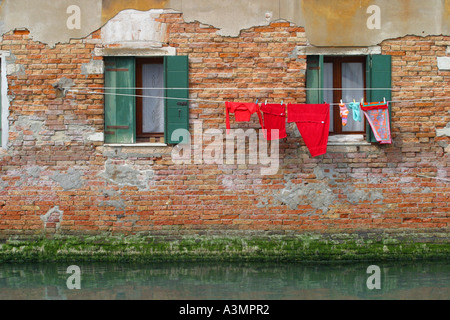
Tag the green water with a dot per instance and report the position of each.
(224, 281)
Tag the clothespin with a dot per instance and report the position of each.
(282, 101)
(266, 101)
(384, 99)
(257, 101)
(354, 101)
(362, 101)
(341, 102)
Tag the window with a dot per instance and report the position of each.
(149, 107)
(146, 99)
(348, 78)
(1, 98)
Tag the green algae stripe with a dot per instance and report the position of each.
(293, 249)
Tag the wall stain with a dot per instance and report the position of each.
(336, 17)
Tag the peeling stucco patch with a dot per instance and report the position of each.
(3, 184)
(113, 199)
(118, 204)
(52, 218)
(12, 68)
(35, 124)
(231, 19)
(132, 26)
(443, 63)
(49, 21)
(34, 172)
(318, 193)
(345, 21)
(324, 174)
(359, 195)
(75, 132)
(63, 85)
(445, 132)
(136, 152)
(98, 136)
(93, 67)
(126, 175)
(72, 132)
(447, 149)
(28, 123)
(69, 181)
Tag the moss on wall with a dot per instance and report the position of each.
(305, 248)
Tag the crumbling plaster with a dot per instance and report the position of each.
(318, 194)
(327, 23)
(40, 134)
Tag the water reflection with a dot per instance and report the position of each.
(220, 281)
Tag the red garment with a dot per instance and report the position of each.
(313, 122)
(242, 112)
(274, 119)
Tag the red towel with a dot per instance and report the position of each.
(274, 119)
(313, 122)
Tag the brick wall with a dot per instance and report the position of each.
(54, 179)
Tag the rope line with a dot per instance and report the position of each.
(242, 89)
(222, 101)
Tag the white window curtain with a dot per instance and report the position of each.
(352, 78)
(153, 108)
(328, 94)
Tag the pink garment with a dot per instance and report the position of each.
(377, 114)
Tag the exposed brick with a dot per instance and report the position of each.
(222, 199)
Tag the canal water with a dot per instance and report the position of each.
(226, 281)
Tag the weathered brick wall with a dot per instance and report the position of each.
(54, 180)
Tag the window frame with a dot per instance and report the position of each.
(140, 135)
(337, 62)
(120, 106)
(378, 77)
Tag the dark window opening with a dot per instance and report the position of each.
(346, 81)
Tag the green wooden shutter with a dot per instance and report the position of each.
(120, 104)
(1, 114)
(176, 110)
(314, 79)
(378, 76)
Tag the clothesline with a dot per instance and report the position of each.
(256, 88)
(222, 101)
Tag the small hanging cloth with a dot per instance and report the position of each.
(242, 112)
(274, 119)
(313, 123)
(356, 111)
(377, 114)
(343, 113)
